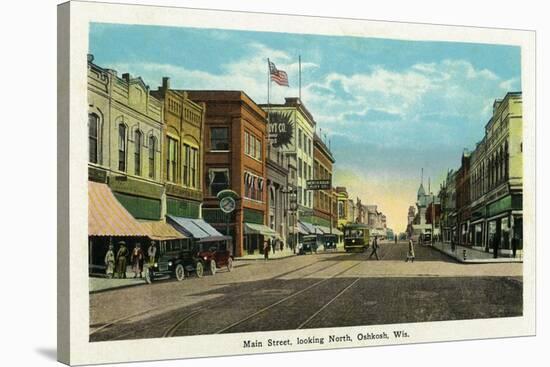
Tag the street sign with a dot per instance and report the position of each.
(318, 185)
(227, 204)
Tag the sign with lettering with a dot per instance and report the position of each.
(280, 129)
(318, 185)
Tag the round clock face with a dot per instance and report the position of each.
(227, 204)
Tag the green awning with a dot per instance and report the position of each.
(253, 228)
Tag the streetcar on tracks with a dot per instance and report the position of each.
(356, 237)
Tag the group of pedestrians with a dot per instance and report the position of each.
(271, 245)
(115, 266)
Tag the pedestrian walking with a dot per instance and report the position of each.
(375, 247)
(121, 257)
(152, 253)
(110, 262)
(410, 251)
(515, 242)
(281, 245)
(495, 247)
(137, 260)
(266, 249)
(395, 239)
(273, 245)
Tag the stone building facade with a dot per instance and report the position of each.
(182, 163)
(125, 129)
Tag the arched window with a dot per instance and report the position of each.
(122, 147)
(152, 148)
(137, 152)
(93, 138)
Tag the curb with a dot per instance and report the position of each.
(117, 287)
(500, 260)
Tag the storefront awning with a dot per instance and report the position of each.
(196, 228)
(327, 230)
(161, 231)
(253, 228)
(107, 217)
(308, 228)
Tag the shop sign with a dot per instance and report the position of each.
(280, 129)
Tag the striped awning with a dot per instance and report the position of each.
(107, 217)
(196, 228)
(253, 228)
(161, 231)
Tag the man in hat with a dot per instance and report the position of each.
(121, 256)
(110, 262)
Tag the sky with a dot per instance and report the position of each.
(389, 107)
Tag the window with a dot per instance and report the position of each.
(218, 180)
(194, 159)
(93, 138)
(252, 147)
(246, 143)
(137, 152)
(299, 138)
(171, 159)
(300, 167)
(122, 147)
(258, 154)
(219, 138)
(152, 148)
(186, 164)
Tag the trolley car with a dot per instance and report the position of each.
(356, 237)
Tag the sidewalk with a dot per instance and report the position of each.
(98, 283)
(272, 256)
(472, 256)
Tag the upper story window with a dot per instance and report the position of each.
(253, 146)
(93, 138)
(171, 159)
(122, 147)
(152, 148)
(299, 138)
(190, 158)
(219, 138)
(137, 152)
(218, 180)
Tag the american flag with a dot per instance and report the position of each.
(278, 76)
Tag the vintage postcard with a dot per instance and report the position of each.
(235, 183)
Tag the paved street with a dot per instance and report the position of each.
(311, 291)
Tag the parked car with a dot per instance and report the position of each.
(215, 255)
(175, 259)
(309, 244)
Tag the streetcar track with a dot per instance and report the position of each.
(172, 329)
(295, 294)
(327, 304)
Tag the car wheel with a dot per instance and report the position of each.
(148, 277)
(229, 264)
(179, 272)
(199, 269)
(212, 267)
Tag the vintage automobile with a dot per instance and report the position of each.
(330, 241)
(215, 255)
(309, 244)
(175, 259)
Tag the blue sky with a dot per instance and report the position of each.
(389, 107)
